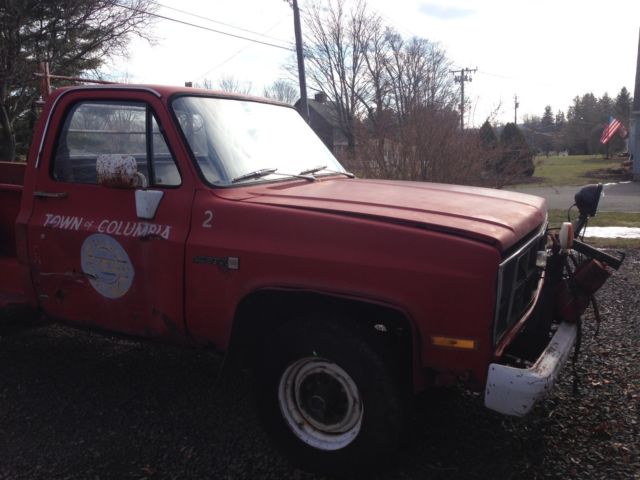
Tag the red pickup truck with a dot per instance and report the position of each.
(200, 218)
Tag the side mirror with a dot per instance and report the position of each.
(587, 199)
(147, 203)
(119, 171)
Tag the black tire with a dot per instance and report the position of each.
(309, 380)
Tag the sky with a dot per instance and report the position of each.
(544, 51)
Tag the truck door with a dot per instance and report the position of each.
(105, 253)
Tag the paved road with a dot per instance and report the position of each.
(619, 197)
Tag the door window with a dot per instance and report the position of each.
(94, 129)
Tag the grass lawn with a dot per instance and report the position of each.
(604, 219)
(580, 170)
(574, 170)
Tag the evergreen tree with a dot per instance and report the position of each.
(517, 159)
(622, 106)
(487, 135)
(558, 142)
(547, 117)
(585, 120)
(605, 103)
(73, 36)
(544, 135)
(622, 111)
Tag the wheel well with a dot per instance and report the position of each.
(262, 313)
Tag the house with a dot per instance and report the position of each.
(325, 121)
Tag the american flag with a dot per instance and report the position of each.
(609, 131)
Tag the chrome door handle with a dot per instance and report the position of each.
(50, 194)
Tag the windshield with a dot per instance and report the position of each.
(240, 141)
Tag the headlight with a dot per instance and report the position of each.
(587, 199)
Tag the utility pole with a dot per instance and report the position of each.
(304, 105)
(634, 127)
(516, 104)
(460, 76)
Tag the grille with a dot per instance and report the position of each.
(517, 282)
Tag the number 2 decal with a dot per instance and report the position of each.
(208, 216)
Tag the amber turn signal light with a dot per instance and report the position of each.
(566, 236)
(451, 342)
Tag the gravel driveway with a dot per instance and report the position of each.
(81, 406)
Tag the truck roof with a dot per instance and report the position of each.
(166, 91)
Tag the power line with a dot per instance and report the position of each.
(496, 75)
(518, 79)
(164, 17)
(202, 17)
(223, 62)
(234, 55)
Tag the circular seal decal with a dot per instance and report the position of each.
(107, 264)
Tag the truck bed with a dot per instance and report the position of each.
(11, 185)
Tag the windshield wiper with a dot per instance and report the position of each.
(268, 171)
(312, 170)
(316, 169)
(263, 172)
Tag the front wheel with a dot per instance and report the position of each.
(328, 399)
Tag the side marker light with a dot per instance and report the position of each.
(451, 342)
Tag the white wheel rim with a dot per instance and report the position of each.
(320, 403)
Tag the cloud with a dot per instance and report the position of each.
(445, 13)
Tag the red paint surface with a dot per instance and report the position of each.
(493, 216)
(429, 251)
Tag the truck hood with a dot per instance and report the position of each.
(498, 217)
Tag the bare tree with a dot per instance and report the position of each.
(73, 36)
(282, 91)
(419, 74)
(377, 56)
(380, 123)
(394, 98)
(206, 83)
(231, 84)
(335, 45)
(411, 118)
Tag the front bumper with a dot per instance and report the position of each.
(514, 391)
